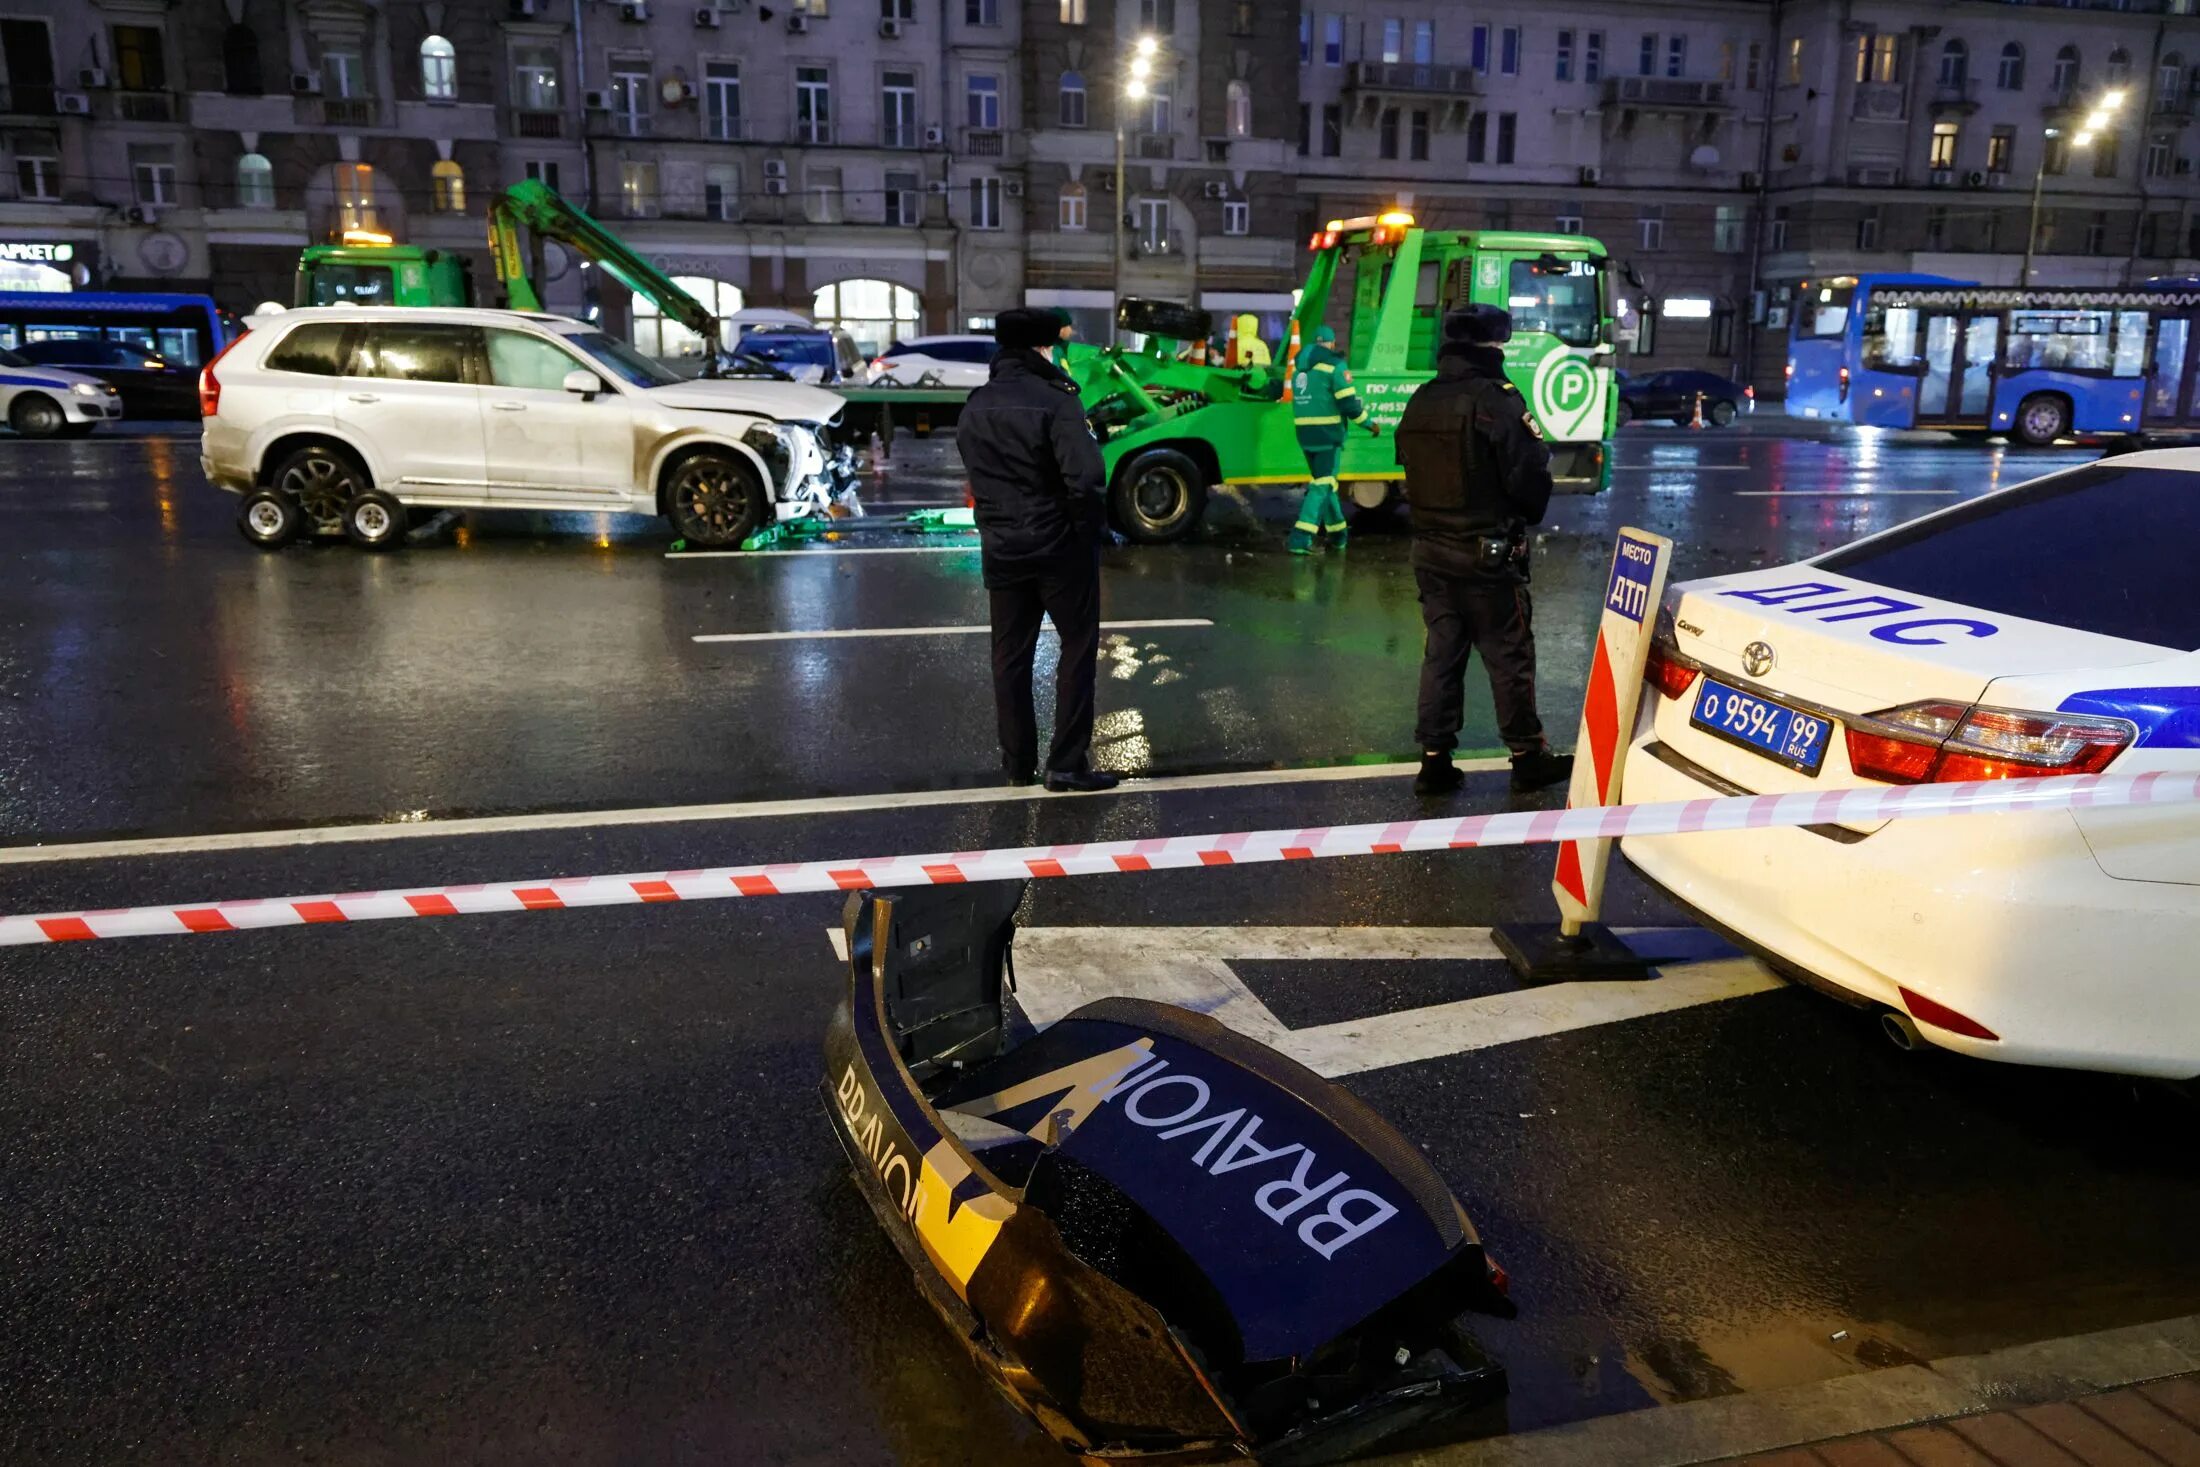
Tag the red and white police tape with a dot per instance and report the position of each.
(1240, 848)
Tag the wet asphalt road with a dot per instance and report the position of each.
(557, 1187)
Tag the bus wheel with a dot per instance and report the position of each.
(1158, 496)
(36, 416)
(2042, 418)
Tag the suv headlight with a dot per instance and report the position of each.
(86, 389)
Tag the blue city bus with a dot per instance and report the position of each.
(187, 331)
(2036, 364)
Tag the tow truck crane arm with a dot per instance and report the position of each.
(539, 208)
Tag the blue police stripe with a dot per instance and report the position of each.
(6, 381)
(2168, 718)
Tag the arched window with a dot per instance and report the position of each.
(1070, 214)
(662, 338)
(255, 182)
(438, 70)
(1955, 63)
(2169, 80)
(241, 61)
(448, 181)
(2065, 79)
(358, 209)
(2011, 76)
(1238, 101)
(1073, 99)
(2119, 67)
(875, 312)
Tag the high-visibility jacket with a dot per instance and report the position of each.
(1322, 396)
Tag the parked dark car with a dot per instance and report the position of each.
(150, 386)
(1673, 395)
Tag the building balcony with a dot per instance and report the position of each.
(1881, 102)
(985, 142)
(1069, 247)
(1666, 94)
(18, 101)
(337, 111)
(813, 132)
(726, 129)
(1410, 79)
(627, 124)
(900, 135)
(1159, 244)
(1954, 98)
(537, 122)
(139, 106)
(1154, 145)
(1248, 252)
(2172, 111)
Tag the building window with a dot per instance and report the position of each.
(1508, 51)
(823, 196)
(1879, 59)
(38, 175)
(904, 200)
(255, 182)
(1936, 227)
(447, 187)
(1306, 129)
(1508, 131)
(1867, 229)
(141, 64)
(904, 11)
(1776, 232)
(1676, 56)
(2096, 234)
(1386, 133)
(1650, 227)
(1069, 212)
(1727, 229)
(981, 12)
(985, 203)
(2119, 67)
(1592, 57)
(1158, 112)
(1943, 155)
(1237, 216)
(2105, 152)
(897, 123)
(1153, 225)
(355, 205)
(2055, 153)
(982, 102)
(1418, 135)
(722, 100)
(543, 171)
(1478, 49)
(1157, 16)
(722, 192)
(1424, 43)
(153, 173)
(666, 339)
(2064, 79)
(1332, 130)
(1072, 96)
(241, 61)
(637, 188)
(535, 79)
(1394, 40)
(630, 98)
(1646, 56)
(1562, 60)
(813, 105)
(1955, 64)
(2158, 155)
(438, 70)
(1795, 61)
(1999, 144)
(1568, 221)
(1332, 40)
(1073, 12)
(1238, 110)
(1722, 331)
(1646, 329)
(1478, 138)
(2169, 82)
(343, 75)
(2009, 75)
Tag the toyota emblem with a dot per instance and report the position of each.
(1757, 659)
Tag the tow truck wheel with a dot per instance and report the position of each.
(268, 519)
(2042, 418)
(1158, 496)
(715, 499)
(37, 416)
(375, 521)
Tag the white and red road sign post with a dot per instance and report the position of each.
(1634, 588)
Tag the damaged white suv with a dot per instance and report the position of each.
(337, 419)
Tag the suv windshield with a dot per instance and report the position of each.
(623, 361)
(2103, 550)
(798, 348)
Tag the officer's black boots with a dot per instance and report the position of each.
(1081, 781)
(1540, 770)
(1438, 776)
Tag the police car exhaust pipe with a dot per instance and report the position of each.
(1901, 1031)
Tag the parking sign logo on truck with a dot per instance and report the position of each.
(1566, 395)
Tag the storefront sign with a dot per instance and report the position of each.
(39, 252)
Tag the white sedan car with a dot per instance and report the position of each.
(940, 361)
(48, 402)
(2050, 628)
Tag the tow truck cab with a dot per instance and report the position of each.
(367, 273)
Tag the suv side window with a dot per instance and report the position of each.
(316, 349)
(429, 352)
(523, 360)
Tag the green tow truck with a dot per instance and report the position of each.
(1171, 428)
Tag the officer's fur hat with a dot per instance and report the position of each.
(1478, 325)
(1026, 328)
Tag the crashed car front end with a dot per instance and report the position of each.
(1164, 1241)
(812, 474)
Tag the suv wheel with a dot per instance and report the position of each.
(35, 415)
(322, 479)
(375, 521)
(715, 499)
(268, 519)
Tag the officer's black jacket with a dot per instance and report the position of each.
(1035, 471)
(1474, 464)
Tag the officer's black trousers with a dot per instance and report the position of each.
(1068, 591)
(1468, 615)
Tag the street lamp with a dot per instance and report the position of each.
(2097, 121)
(1145, 56)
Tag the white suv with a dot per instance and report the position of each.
(337, 418)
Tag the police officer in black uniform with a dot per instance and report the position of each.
(1477, 475)
(1036, 482)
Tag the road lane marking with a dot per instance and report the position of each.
(1837, 493)
(820, 550)
(422, 829)
(1061, 969)
(959, 631)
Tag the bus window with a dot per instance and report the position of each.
(2131, 344)
(361, 285)
(1890, 339)
(2058, 341)
(1566, 306)
(1823, 310)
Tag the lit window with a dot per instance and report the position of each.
(1070, 215)
(255, 182)
(438, 70)
(1238, 107)
(448, 184)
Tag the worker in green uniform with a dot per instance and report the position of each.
(1322, 402)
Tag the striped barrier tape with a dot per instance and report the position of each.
(1240, 848)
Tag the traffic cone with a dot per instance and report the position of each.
(1291, 360)
(1199, 352)
(1697, 420)
(1230, 345)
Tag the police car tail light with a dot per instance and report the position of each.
(1948, 743)
(1666, 672)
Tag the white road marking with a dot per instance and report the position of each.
(1061, 969)
(426, 829)
(961, 631)
(1836, 493)
(822, 550)
(1690, 468)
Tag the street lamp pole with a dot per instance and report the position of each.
(2103, 114)
(1144, 56)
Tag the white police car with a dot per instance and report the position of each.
(47, 402)
(2050, 628)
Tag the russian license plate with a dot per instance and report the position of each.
(1780, 733)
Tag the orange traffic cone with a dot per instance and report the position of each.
(1697, 420)
(1291, 360)
(1230, 345)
